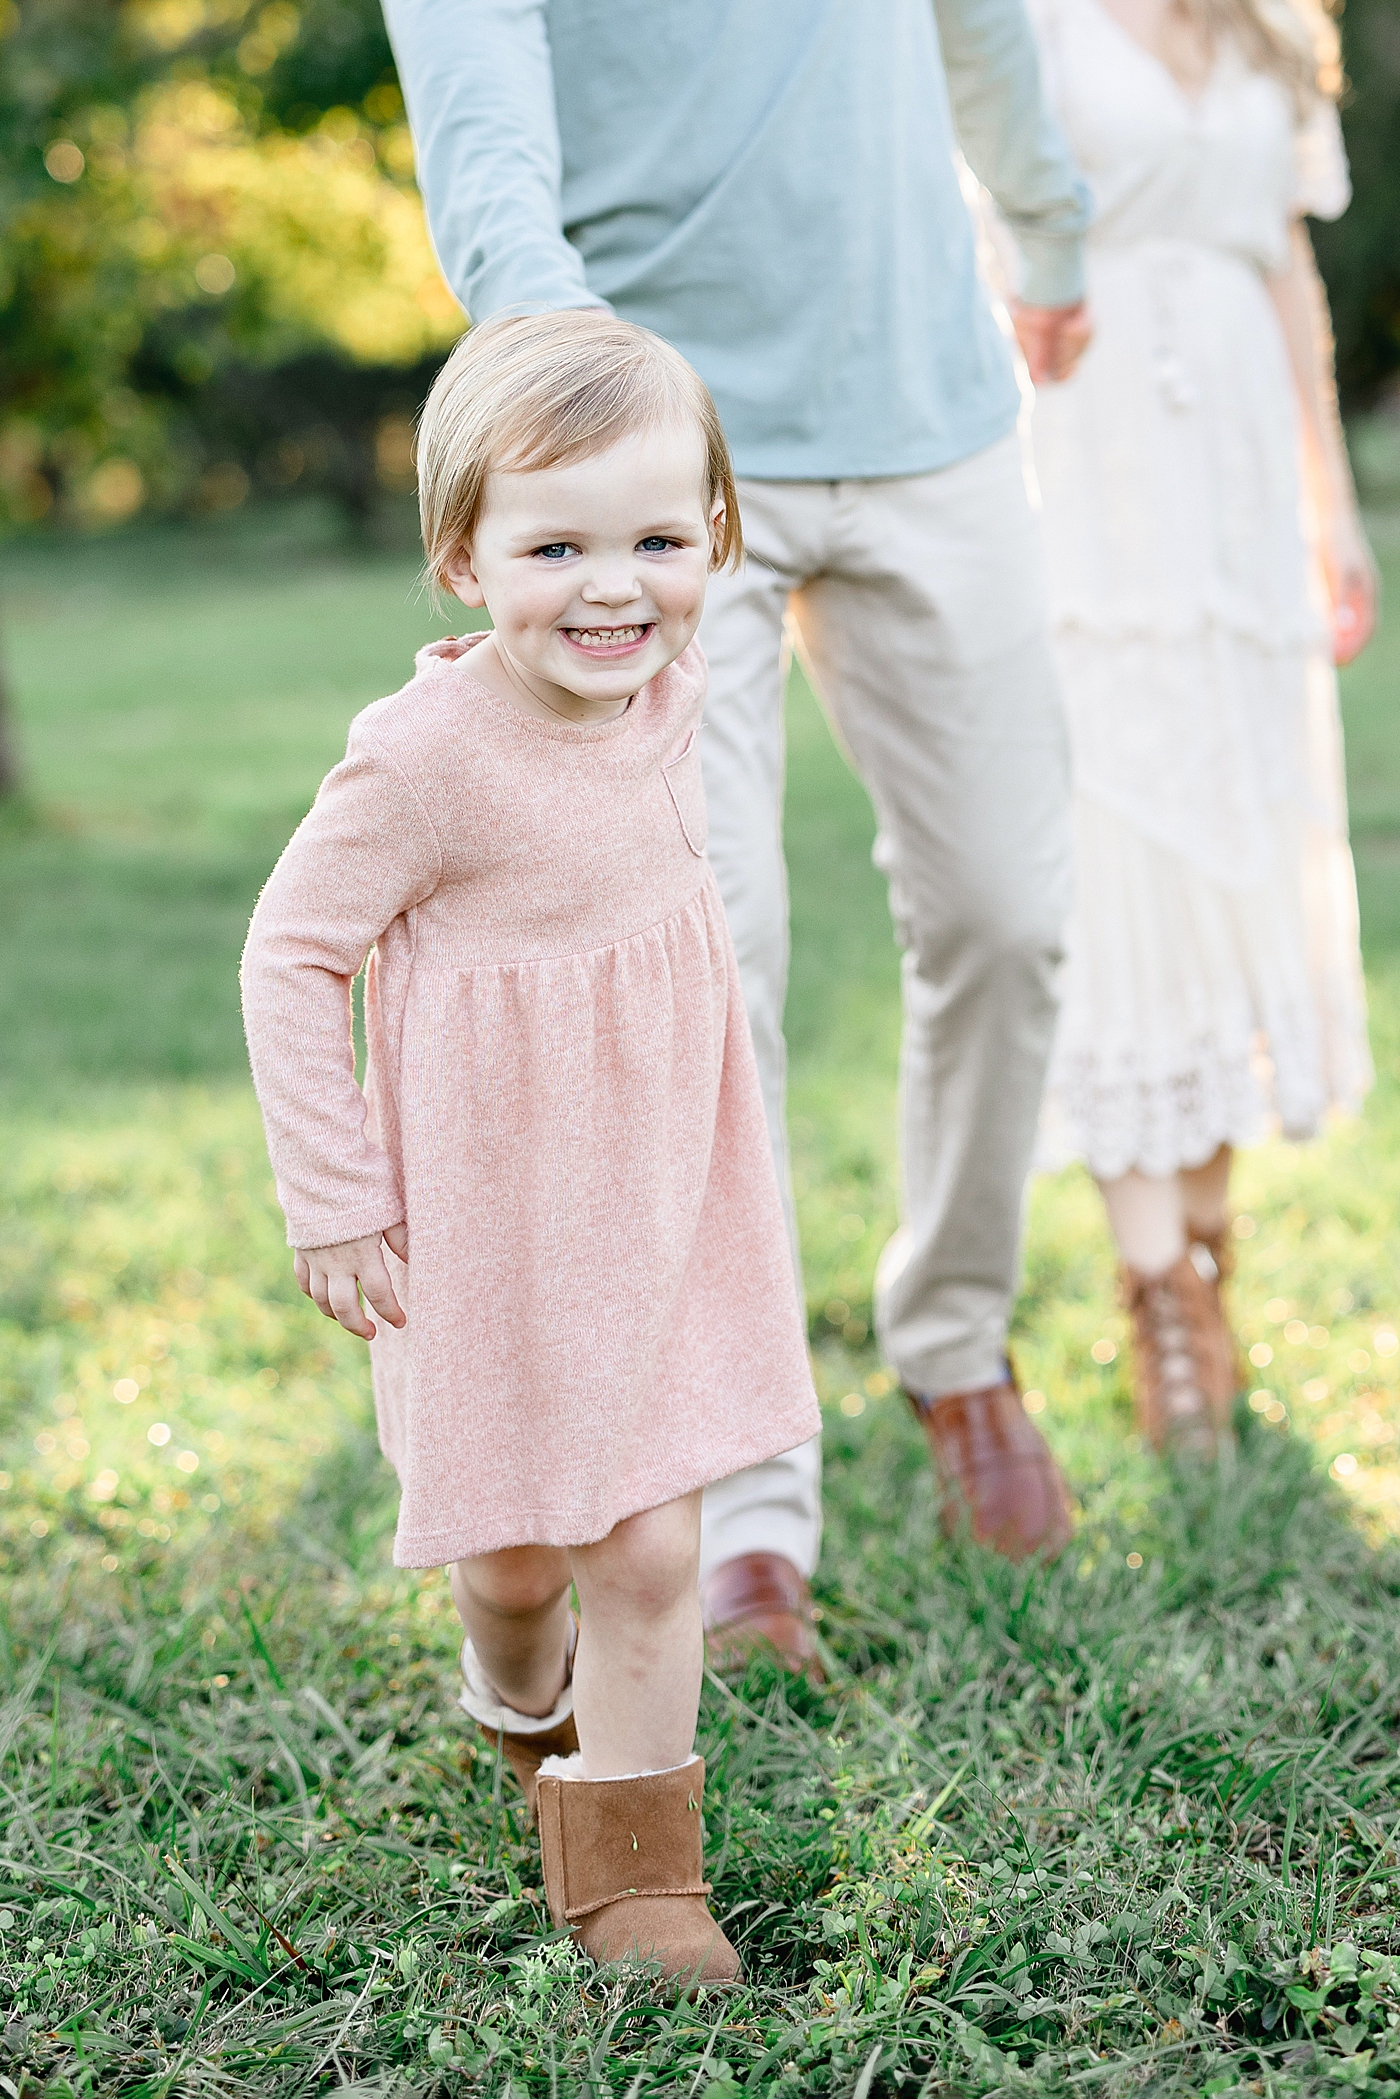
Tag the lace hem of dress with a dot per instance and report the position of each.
(1118, 1118)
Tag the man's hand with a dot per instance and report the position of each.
(1052, 338)
(335, 1278)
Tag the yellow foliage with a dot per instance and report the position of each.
(337, 250)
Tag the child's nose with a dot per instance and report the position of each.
(612, 586)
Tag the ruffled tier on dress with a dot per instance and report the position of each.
(1197, 1013)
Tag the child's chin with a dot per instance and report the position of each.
(615, 679)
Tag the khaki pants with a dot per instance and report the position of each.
(918, 607)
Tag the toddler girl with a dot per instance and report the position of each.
(556, 1193)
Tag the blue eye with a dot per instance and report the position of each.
(655, 545)
(557, 550)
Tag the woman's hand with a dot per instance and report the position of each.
(1347, 564)
(1349, 568)
(335, 1278)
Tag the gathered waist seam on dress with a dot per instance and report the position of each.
(580, 954)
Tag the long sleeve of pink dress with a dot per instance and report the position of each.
(365, 856)
(561, 1101)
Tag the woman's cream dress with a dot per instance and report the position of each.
(1214, 987)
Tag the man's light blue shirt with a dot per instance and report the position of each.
(770, 184)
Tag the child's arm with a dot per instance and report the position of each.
(365, 854)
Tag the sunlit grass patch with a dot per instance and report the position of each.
(156, 1362)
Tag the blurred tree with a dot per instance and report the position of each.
(214, 272)
(214, 275)
(9, 755)
(1360, 254)
(192, 192)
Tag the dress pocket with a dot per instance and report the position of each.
(687, 791)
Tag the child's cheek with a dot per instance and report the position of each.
(682, 599)
(538, 608)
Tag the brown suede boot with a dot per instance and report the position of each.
(525, 1753)
(1184, 1373)
(757, 1603)
(623, 1868)
(526, 1743)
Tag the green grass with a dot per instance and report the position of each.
(1126, 1825)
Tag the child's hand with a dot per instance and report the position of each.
(335, 1278)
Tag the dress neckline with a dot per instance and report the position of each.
(1189, 101)
(559, 731)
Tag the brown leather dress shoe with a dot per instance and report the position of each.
(995, 1469)
(755, 1602)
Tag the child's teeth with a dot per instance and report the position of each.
(606, 637)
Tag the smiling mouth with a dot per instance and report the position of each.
(607, 641)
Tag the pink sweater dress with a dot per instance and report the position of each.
(561, 1100)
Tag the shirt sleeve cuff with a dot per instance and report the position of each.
(546, 279)
(1054, 274)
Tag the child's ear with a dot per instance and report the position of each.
(718, 514)
(460, 578)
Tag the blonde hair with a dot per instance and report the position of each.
(1295, 40)
(523, 392)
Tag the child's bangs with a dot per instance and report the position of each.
(564, 417)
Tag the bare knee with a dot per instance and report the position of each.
(647, 1563)
(515, 1583)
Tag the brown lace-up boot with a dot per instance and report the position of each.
(624, 1869)
(1221, 1248)
(1184, 1373)
(1213, 1255)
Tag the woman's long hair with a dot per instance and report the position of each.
(1295, 40)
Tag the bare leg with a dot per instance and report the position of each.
(515, 1607)
(1204, 1190)
(1148, 1219)
(641, 1648)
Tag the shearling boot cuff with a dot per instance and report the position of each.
(572, 1767)
(482, 1700)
